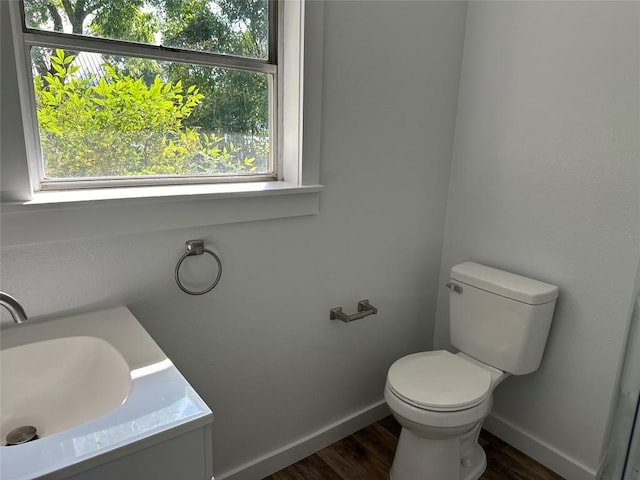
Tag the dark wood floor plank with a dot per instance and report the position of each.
(352, 461)
(310, 468)
(380, 442)
(368, 454)
(391, 424)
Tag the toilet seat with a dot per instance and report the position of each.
(439, 381)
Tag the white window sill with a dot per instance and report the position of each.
(171, 192)
(66, 215)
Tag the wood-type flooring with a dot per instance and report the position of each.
(368, 453)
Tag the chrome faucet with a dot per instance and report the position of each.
(14, 307)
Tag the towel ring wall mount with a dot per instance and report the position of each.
(196, 247)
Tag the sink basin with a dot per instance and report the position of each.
(60, 383)
(97, 388)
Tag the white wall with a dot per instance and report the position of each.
(260, 348)
(545, 182)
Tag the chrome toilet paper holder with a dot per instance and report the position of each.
(364, 309)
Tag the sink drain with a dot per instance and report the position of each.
(21, 435)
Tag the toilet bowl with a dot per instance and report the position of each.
(440, 400)
(499, 321)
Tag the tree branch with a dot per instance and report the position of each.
(55, 16)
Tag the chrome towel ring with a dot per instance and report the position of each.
(196, 247)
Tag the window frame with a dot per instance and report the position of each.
(31, 218)
(286, 19)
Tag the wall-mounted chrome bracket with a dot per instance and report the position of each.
(364, 309)
(194, 247)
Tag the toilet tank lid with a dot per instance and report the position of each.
(506, 284)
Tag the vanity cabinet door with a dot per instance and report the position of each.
(184, 457)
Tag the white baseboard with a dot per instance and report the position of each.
(289, 454)
(278, 459)
(537, 449)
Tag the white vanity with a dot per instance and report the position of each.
(105, 400)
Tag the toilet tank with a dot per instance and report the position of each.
(500, 318)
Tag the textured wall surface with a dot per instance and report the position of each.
(260, 349)
(545, 182)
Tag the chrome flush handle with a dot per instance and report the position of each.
(454, 287)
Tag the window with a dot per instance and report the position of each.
(31, 214)
(137, 92)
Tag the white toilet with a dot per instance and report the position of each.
(499, 322)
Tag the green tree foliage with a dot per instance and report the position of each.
(138, 119)
(235, 27)
(121, 19)
(125, 127)
(235, 101)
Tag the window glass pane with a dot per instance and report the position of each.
(106, 116)
(236, 27)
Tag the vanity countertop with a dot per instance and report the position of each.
(160, 405)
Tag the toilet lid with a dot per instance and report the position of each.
(439, 381)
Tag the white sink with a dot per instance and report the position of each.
(96, 387)
(60, 383)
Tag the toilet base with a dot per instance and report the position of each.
(419, 458)
(477, 465)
